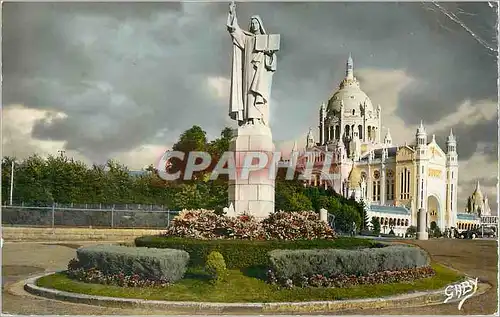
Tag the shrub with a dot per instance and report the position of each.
(147, 263)
(216, 266)
(411, 231)
(245, 253)
(293, 264)
(304, 225)
(376, 225)
(373, 234)
(94, 275)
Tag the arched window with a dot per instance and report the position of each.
(353, 112)
(360, 131)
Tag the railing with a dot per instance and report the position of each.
(88, 215)
(331, 220)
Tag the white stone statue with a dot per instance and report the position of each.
(254, 62)
(230, 211)
(363, 188)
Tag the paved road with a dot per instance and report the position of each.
(19, 260)
(477, 258)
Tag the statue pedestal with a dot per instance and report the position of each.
(422, 233)
(254, 194)
(323, 215)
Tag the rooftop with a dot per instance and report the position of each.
(467, 217)
(390, 210)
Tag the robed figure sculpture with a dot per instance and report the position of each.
(254, 62)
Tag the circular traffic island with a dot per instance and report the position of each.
(284, 280)
(291, 262)
(240, 287)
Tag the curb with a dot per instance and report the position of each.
(399, 301)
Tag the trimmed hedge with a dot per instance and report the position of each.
(246, 253)
(294, 264)
(148, 263)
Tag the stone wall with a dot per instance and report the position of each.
(73, 234)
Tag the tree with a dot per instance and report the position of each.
(220, 145)
(216, 148)
(376, 225)
(345, 216)
(299, 202)
(435, 231)
(411, 231)
(191, 140)
(32, 182)
(364, 215)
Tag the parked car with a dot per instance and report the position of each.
(478, 233)
(468, 234)
(487, 232)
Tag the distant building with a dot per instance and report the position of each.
(393, 180)
(477, 211)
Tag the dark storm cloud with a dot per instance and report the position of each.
(483, 133)
(123, 72)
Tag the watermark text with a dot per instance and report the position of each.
(461, 291)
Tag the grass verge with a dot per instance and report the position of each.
(241, 288)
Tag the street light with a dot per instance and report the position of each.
(11, 181)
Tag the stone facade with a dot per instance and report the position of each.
(400, 178)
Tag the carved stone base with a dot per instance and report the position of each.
(422, 233)
(422, 236)
(253, 195)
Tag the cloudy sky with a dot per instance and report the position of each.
(123, 80)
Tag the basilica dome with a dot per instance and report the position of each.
(350, 94)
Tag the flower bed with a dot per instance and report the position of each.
(342, 280)
(96, 276)
(206, 224)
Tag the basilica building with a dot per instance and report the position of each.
(393, 181)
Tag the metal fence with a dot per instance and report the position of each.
(88, 215)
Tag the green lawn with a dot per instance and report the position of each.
(240, 287)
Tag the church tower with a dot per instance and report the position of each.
(421, 168)
(322, 117)
(388, 138)
(451, 180)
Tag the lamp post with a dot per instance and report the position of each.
(11, 181)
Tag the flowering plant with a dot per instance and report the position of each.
(206, 224)
(342, 280)
(304, 225)
(94, 275)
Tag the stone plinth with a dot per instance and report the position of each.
(252, 192)
(323, 215)
(422, 233)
